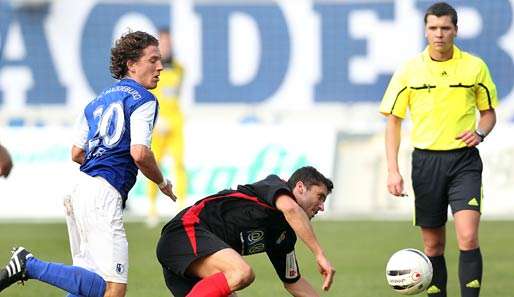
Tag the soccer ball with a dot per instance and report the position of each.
(409, 272)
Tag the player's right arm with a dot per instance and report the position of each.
(394, 106)
(392, 144)
(301, 288)
(77, 154)
(300, 223)
(81, 130)
(141, 123)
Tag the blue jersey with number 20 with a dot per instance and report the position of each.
(107, 152)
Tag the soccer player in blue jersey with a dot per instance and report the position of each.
(112, 142)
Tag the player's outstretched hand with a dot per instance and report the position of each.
(327, 272)
(167, 189)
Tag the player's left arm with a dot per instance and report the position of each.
(486, 102)
(145, 161)
(301, 288)
(141, 125)
(300, 223)
(485, 126)
(487, 121)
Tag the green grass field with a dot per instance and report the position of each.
(358, 249)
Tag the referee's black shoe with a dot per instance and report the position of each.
(14, 271)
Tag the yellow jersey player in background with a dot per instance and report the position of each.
(168, 137)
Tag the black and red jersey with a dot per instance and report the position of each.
(247, 220)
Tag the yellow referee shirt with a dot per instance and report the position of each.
(443, 97)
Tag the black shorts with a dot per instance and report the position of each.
(175, 252)
(442, 178)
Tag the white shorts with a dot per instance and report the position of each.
(97, 236)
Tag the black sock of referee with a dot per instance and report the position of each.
(437, 287)
(470, 272)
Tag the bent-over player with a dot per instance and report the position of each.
(201, 249)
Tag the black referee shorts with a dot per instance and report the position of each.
(175, 253)
(442, 178)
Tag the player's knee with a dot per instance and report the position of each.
(241, 277)
(434, 248)
(115, 290)
(247, 276)
(113, 293)
(467, 240)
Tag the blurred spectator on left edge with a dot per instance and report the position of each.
(5, 162)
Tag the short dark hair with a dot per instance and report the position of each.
(309, 176)
(129, 47)
(442, 8)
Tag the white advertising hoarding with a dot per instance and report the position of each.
(218, 156)
(361, 177)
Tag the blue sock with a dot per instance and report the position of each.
(72, 279)
(71, 295)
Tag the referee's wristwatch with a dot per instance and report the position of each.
(480, 134)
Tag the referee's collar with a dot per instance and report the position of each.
(457, 54)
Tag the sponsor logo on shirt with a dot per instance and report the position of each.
(252, 242)
(256, 235)
(291, 267)
(120, 268)
(256, 248)
(281, 238)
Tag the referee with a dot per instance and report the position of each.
(443, 87)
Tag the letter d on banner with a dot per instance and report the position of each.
(274, 60)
